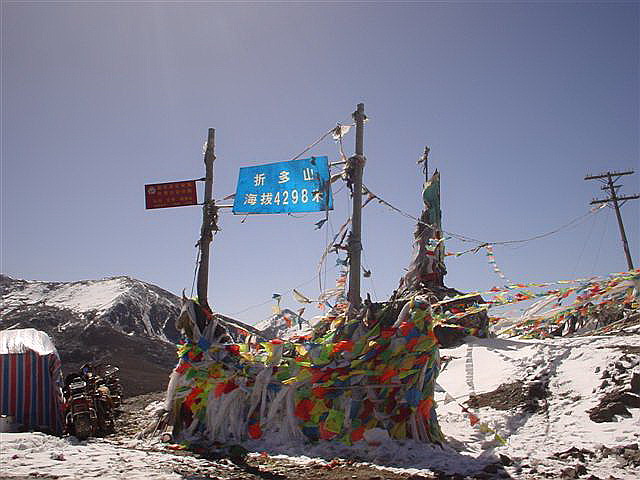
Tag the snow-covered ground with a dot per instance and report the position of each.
(571, 369)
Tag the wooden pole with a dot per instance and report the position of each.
(208, 216)
(355, 240)
(625, 244)
(611, 186)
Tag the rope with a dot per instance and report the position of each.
(269, 301)
(321, 138)
(195, 271)
(481, 243)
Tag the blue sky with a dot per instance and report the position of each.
(518, 101)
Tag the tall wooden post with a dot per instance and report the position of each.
(610, 185)
(623, 235)
(355, 239)
(206, 234)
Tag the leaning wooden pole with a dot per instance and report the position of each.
(208, 219)
(623, 235)
(612, 187)
(355, 239)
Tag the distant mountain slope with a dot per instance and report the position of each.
(284, 325)
(128, 305)
(119, 320)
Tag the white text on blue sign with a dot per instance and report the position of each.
(297, 186)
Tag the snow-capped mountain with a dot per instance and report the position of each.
(128, 305)
(284, 325)
(120, 320)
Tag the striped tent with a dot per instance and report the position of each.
(30, 380)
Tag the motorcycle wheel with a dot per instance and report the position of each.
(82, 427)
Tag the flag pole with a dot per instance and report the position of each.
(355, 238)
(209, 220)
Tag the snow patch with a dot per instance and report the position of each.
(98, 295)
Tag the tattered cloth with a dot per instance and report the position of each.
(344, 379)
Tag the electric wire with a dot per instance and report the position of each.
(481, 243)
(584, 245)
(604, 229)
(460, 237)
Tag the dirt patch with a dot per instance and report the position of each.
(514, 395)
(134, 417)
(264, 467)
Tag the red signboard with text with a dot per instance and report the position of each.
(173, 194)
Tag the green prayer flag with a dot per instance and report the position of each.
(334, 421)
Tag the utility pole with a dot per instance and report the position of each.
(609, 184)
(209, 220)
(355, 239)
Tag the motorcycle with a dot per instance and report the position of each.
(93, 398)
(80, 415)
(109, 375)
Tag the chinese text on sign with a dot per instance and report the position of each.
(296, 186)
(174, 194)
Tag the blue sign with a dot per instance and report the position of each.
(297, 186)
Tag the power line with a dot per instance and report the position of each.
(482, 243)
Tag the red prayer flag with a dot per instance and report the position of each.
(319, 391)
(345, 345)
(406, 327)
(473, 419)
(388, 375)
(255, 431)
(183, 367)
(303, 409)
(357, 434)
(387, 332)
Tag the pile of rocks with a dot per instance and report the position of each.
(620, 388)
(626, 455)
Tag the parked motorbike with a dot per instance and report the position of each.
(92, 398)
(109, 375)
(80, 414)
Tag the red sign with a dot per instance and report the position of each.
(174, 194)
